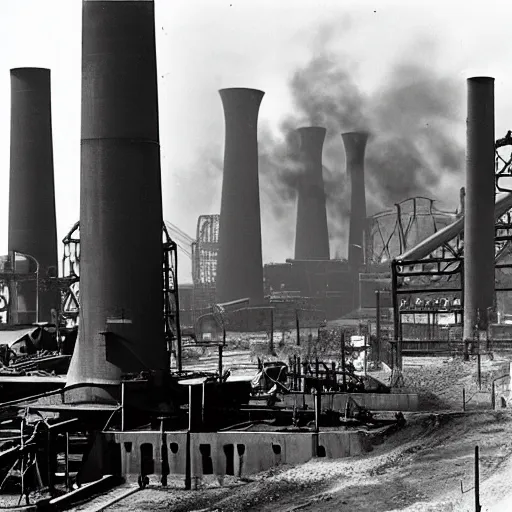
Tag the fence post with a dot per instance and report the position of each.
(479, 370)
(478, 507)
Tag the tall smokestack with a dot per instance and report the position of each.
(32, 225)
(240, 265)
(121, 301)
(311, 235)
(479, 206)
(355, 147)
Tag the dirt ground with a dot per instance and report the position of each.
(419, 468)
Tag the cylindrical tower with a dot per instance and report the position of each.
(121, 291)
(355, 147)
(240, 265)
(311, 234)
(479, 219)
(32, 226)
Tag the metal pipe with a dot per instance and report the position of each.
(32, 229)
(396, 315)
(479, 250)
(239, 263)
(318, 406)
(120, 176)
(123, 413)
(311, 234)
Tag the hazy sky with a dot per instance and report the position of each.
(204, 46)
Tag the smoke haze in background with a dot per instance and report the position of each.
(412, 114)
(411, 118)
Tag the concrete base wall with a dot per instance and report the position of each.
(371, 401)
(143, 450)
(230, 453)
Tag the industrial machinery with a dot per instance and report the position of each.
(170, 317)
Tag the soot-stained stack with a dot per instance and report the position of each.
(121, 301)
(479, 251)
(355, 147)
(239, 264)
(32, 226)
(311, 235)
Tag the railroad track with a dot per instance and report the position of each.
(106, 499)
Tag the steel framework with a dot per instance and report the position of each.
(396, 230)
(205, 251)
(171, 313)
(11, 275)
(428, 279)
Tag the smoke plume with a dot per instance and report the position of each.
(410, 118)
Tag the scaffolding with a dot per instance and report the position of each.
(427, 280)
(171, 311)
(205, 250)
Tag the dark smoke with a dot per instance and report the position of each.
(411, 119)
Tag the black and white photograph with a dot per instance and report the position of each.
(255, 255)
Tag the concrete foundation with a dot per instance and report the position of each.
(229, 453)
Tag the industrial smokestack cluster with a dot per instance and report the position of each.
(121, 296)
(479, 251)
(32, 226)
(240, 264)
(121, 261)
(311, 235)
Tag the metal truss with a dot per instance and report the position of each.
(503, 159)
(433, 284)
(205, 250)
(394, 231)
